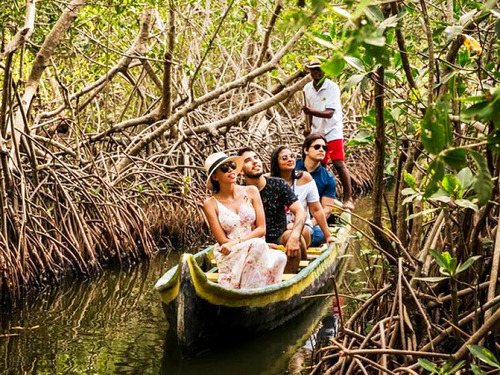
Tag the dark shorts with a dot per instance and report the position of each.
(317, 238)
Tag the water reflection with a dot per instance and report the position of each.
(269, 353)
(114, 324)
(109, 324)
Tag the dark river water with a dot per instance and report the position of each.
(114, 324)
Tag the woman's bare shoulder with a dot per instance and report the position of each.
(305, 178)
(252, 190)
(209, 203)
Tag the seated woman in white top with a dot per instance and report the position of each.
(303, 185)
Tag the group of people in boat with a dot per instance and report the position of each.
(288, 207)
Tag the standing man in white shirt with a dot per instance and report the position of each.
(324, 111)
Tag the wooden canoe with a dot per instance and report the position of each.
(204, 314)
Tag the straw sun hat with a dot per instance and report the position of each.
(314, 63)
(215, 160)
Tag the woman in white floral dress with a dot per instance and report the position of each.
(236, 218)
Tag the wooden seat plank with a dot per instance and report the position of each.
(213, 276)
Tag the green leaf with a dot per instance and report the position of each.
(355, 63)
(457, 367)
(421, 213)
(440, 196)
(445, 261)
(341, 12)
(463, 58)
(435, 128)
(476, 370)
(484, 184)
(410, 199)
(467, 17)
(397, 59)
(387, 23)
(441, 259)
(361, 139)
(435, 279)
(317, 5)
(408, 191)
(465, 203)
(452, 186)
(497, 28)
(409, 179)
(374, 13)
(452, 264)
(360, 8)
(323, 42)
(335, 66)
(494, 142)
(467, 263)
(353, 81)
(436, 174)
(471, 99)
(452, 31)
(326, 37)
(428, 365)
(375, 40)
(466, 178)
(456, 158)
(484, 355)
(483, 110)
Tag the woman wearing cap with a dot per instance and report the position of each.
(283, 165)
(236, 218)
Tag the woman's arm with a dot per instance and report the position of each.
(319, 216)
(209, 208)
(260, 219)
(316, 210)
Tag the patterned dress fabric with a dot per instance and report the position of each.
(276, 196)
(251, 263)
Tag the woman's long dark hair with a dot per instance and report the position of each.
(215, 184)
(275, 166)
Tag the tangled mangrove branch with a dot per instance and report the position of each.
(433, 273)
(102, 134)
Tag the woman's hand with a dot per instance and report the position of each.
(225, 248)
(289, 226)
(329, 239)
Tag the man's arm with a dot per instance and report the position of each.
(293, 243)
(329, 194)
(327, 113)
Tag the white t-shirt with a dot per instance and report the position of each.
(306, 193)
(327, 97)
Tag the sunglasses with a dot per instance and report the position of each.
(224, 168)
(286, 157)
(317, 147)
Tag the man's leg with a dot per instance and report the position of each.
(318, 238)
(292, 264)
(337, 156)
(345, 178)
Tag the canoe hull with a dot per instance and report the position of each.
(203, 314)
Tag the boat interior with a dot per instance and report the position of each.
(312, 253)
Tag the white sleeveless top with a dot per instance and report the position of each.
(306, 193)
